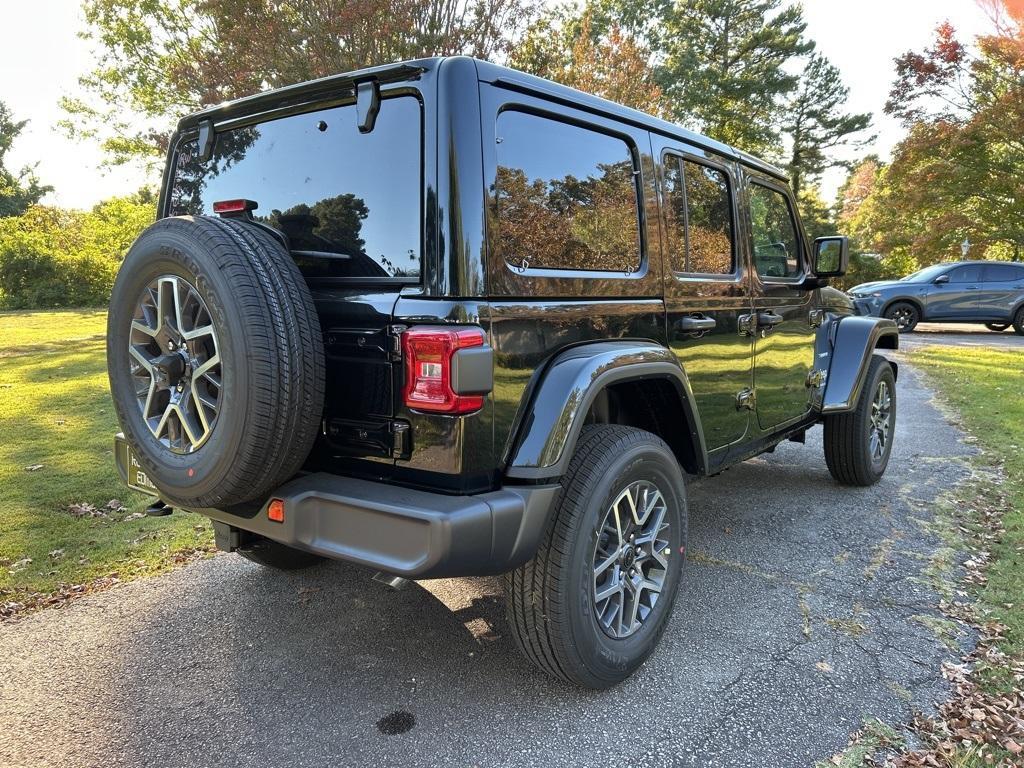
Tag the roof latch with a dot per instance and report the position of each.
(367, 104)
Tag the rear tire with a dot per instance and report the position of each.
(273, 554)
(905, 315)
(558, 618)
(1018, 322)
(851, 452)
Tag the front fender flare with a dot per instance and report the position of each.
(854, 340)
(553, 417)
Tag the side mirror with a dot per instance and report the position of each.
(941, 279)
(831, 256)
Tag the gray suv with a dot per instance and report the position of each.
(989, 292)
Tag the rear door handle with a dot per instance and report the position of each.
(695, 323)
(768, 319)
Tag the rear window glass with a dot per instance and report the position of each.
(565, 197)
(348, 201)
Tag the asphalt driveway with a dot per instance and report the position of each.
(961, 335)
(805, 608)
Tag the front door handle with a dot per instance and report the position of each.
(695, 323)
(768, 319)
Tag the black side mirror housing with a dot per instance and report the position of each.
(831, 256)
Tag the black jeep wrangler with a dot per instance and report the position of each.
(441, 318)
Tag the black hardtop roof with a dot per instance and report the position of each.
(280, 98)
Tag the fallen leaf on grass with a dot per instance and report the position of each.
(133, 516)
(56, 554)
(114, 505)
(33, 467)
(85, 509)
(20, 565)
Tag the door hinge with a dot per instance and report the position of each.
(400, 440)
(395, 342)
(746, 398)
(816, 317)
(816, 378)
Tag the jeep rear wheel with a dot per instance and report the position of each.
(593, 603)
(215, 359)
(858, 444)
(905, 315)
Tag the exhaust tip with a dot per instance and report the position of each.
(395, 582)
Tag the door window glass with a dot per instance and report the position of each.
(565, 197)
(775, 242)
(970, 273)
(1002, 273)
(704, 207)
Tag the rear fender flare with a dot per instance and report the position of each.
(553, 418)
(854, 341)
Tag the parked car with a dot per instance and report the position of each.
(442, 318)
(989, 292)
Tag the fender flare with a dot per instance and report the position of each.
(550, 423)
(854, 340)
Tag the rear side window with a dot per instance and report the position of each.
(773, 229)
(699, 213)
(565, 197)
(1003, 273)
(348, 201)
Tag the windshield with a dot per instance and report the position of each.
(926, 274)
(349, 202)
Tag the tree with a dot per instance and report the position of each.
(817, 216)
(959, 174)
(724, 71)
(160, 59)
(18, 190)
(573, 51)
(816, 123)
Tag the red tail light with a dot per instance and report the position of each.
(428, 369)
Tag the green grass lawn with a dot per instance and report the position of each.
(986, 386)
(55, 411)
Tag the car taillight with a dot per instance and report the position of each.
(428, 369)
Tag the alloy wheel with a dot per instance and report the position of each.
(175, 364)
(903, 316)
(881, 421)
(631, 559)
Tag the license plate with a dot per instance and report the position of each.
(137, 477)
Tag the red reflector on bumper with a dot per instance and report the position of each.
(275, 512)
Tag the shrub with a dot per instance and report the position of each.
(51, 257)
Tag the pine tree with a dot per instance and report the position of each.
(724, 71)
(816, 123)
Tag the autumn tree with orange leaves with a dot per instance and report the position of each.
(959, 173)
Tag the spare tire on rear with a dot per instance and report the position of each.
(216, 360)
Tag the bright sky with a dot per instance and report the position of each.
(41, 59)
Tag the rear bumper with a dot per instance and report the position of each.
(408, 532)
